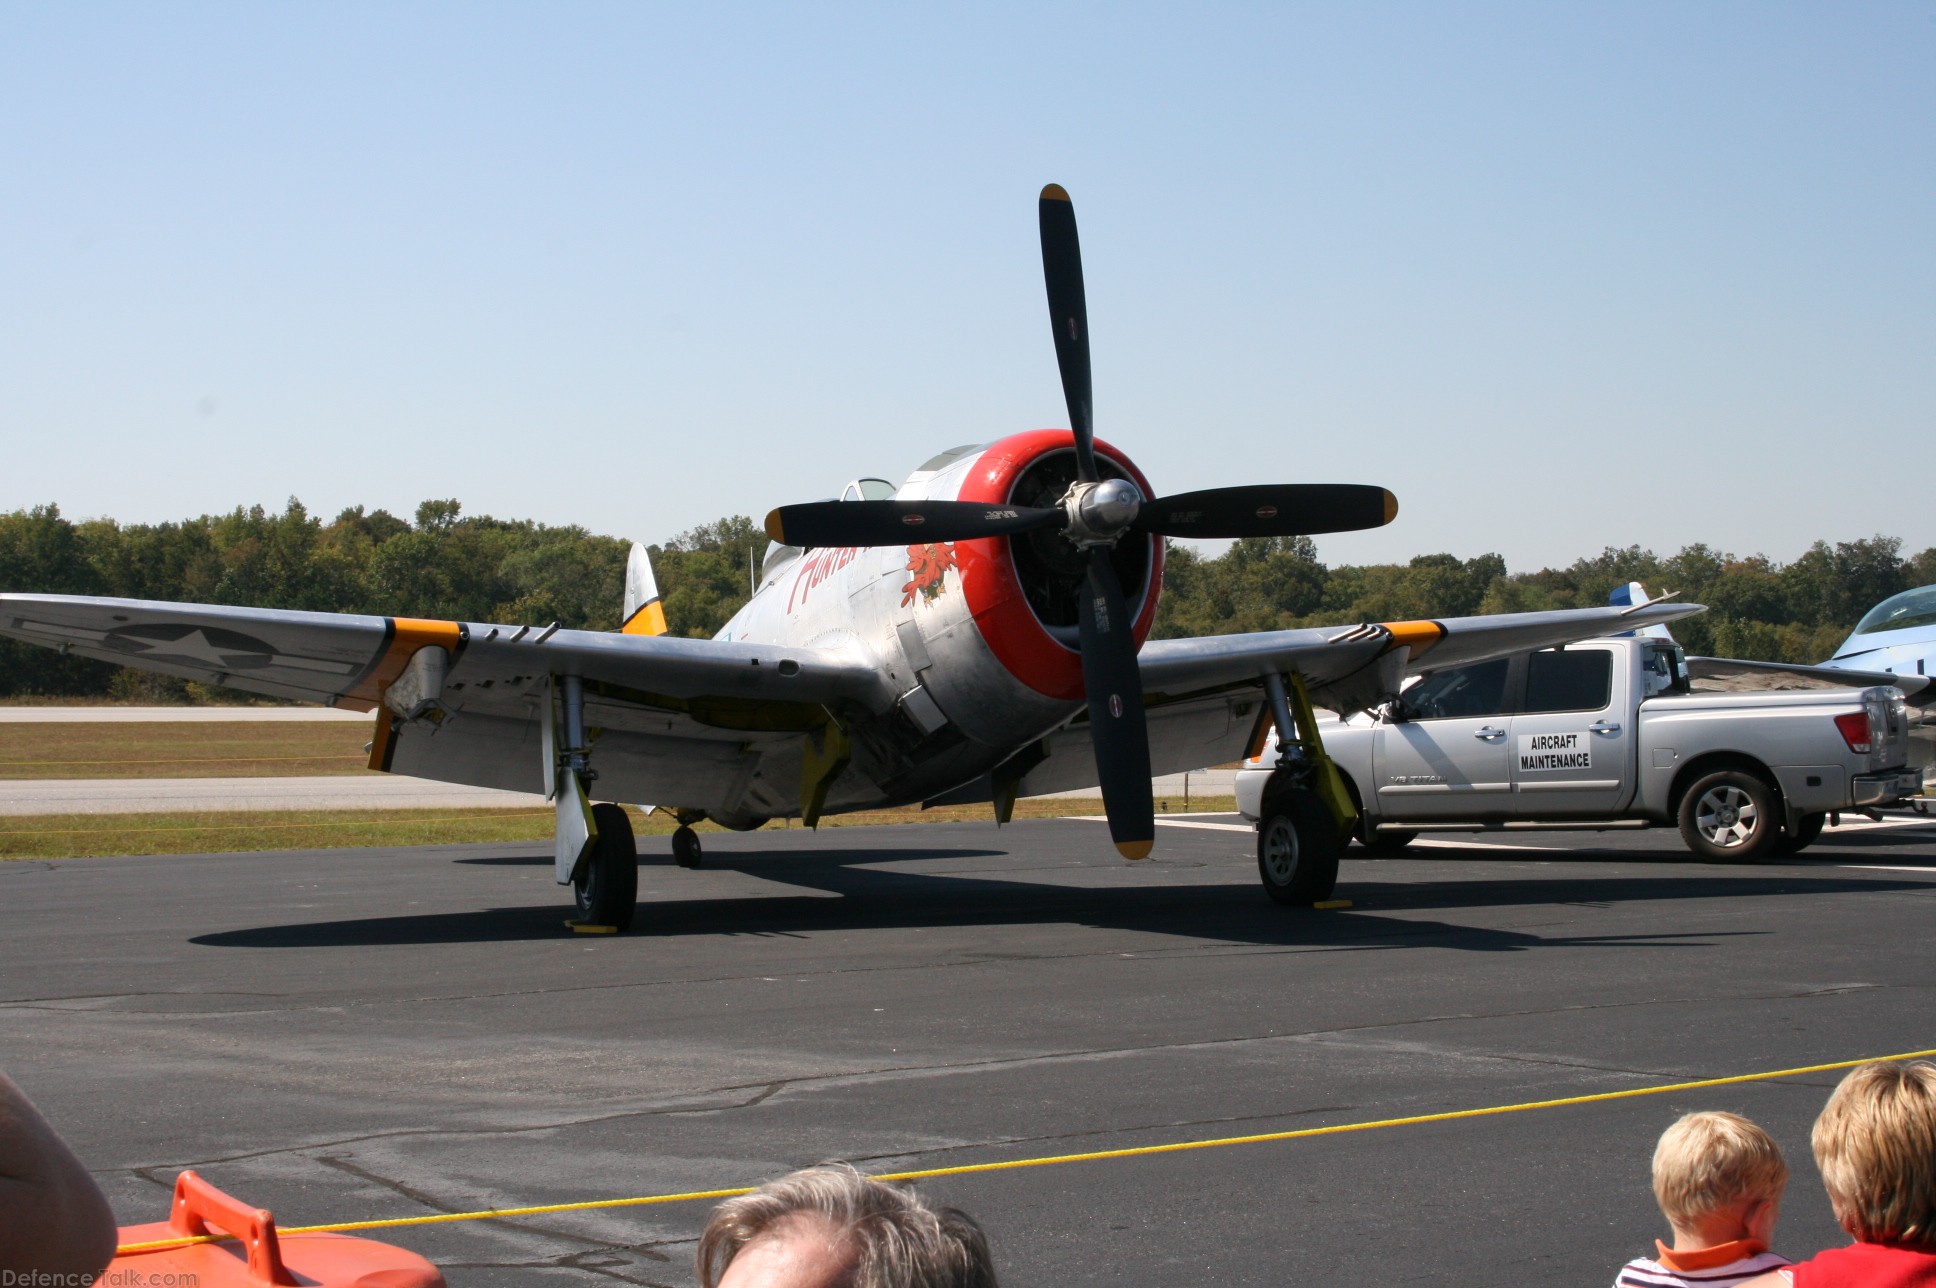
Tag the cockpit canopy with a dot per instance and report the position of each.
(1900, 612)
(777, 555)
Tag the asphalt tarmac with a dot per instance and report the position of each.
(361, 1034)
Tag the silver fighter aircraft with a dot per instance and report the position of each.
(976, 634)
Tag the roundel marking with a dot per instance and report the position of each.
(914, 520)
(1116, 705)
(1267, 512)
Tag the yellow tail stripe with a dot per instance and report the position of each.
(1054, 1160)
(650, 619)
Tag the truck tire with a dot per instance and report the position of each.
(1731, 817)
(1297, 848)
(1805, 835)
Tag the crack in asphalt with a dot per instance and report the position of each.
(435, 1204)
(763, 1091)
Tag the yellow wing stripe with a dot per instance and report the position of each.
(1417, 636)
(407, 635)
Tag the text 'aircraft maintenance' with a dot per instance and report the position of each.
(975, 635)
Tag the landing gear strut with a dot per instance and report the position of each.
(1307, 814)
(594, 849)
(685, 847)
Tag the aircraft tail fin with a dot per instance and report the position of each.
(644, 614)
(1634, 595)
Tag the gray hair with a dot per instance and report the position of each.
(901, 1241)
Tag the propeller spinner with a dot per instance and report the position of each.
(1096, 513)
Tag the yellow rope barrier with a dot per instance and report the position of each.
(1053, 1160)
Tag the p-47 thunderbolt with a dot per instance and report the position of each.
(975, 634)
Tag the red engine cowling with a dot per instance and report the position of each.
(1022, 591)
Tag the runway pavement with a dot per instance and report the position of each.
(381, 1033)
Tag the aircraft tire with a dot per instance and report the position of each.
(607, 887)
(1730, 816)
(1297, 849)
(1805, 835)
(685, 847)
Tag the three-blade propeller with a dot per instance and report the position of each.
(1095, 514)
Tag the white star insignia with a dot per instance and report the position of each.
(197, 647)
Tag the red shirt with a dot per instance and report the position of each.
(1868, 1265)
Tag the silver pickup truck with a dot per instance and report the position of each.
(1604, 734)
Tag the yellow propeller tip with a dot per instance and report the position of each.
(1055, 192)
(1391, 506)
(1135, 849)
(773, 528)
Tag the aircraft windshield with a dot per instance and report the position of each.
(1899, 612)
(869, 490)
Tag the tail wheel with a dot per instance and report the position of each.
(1730, 817)
(606, 888)
(1297, 849)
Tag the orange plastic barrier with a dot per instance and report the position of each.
(256, 1254)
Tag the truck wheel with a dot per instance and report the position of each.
(1387, 841)
(1730, 817)
(1297, 849)
(1811, 828)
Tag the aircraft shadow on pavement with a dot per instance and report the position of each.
(852, 893)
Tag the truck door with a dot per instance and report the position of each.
(1572, 740)
(1447, 757)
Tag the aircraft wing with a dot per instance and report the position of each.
(1349, 670)
(669, 711)
(1733, 673)
(1205, 695)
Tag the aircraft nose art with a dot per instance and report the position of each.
(1010, 619)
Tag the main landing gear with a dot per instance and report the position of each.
(1306, 815)
(595, 852)
(605, 884)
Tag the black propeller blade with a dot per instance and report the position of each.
(893, 523)
(1069, 318)
(1118, 728)
(1269, 510)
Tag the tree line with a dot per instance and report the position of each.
(446, 564)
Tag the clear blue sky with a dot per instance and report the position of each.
(1562, 276)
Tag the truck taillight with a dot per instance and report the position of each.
(1855, 731)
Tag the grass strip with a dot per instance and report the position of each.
(174, 749)
(56, 836)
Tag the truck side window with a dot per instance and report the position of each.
(1476, 690)
(1578, 679)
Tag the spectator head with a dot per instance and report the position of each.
(831, 1227)
(1709, 1162)
(1876, 1146)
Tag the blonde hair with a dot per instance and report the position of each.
(1876, 1146)
(1708, 1160)
(901, 1242)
